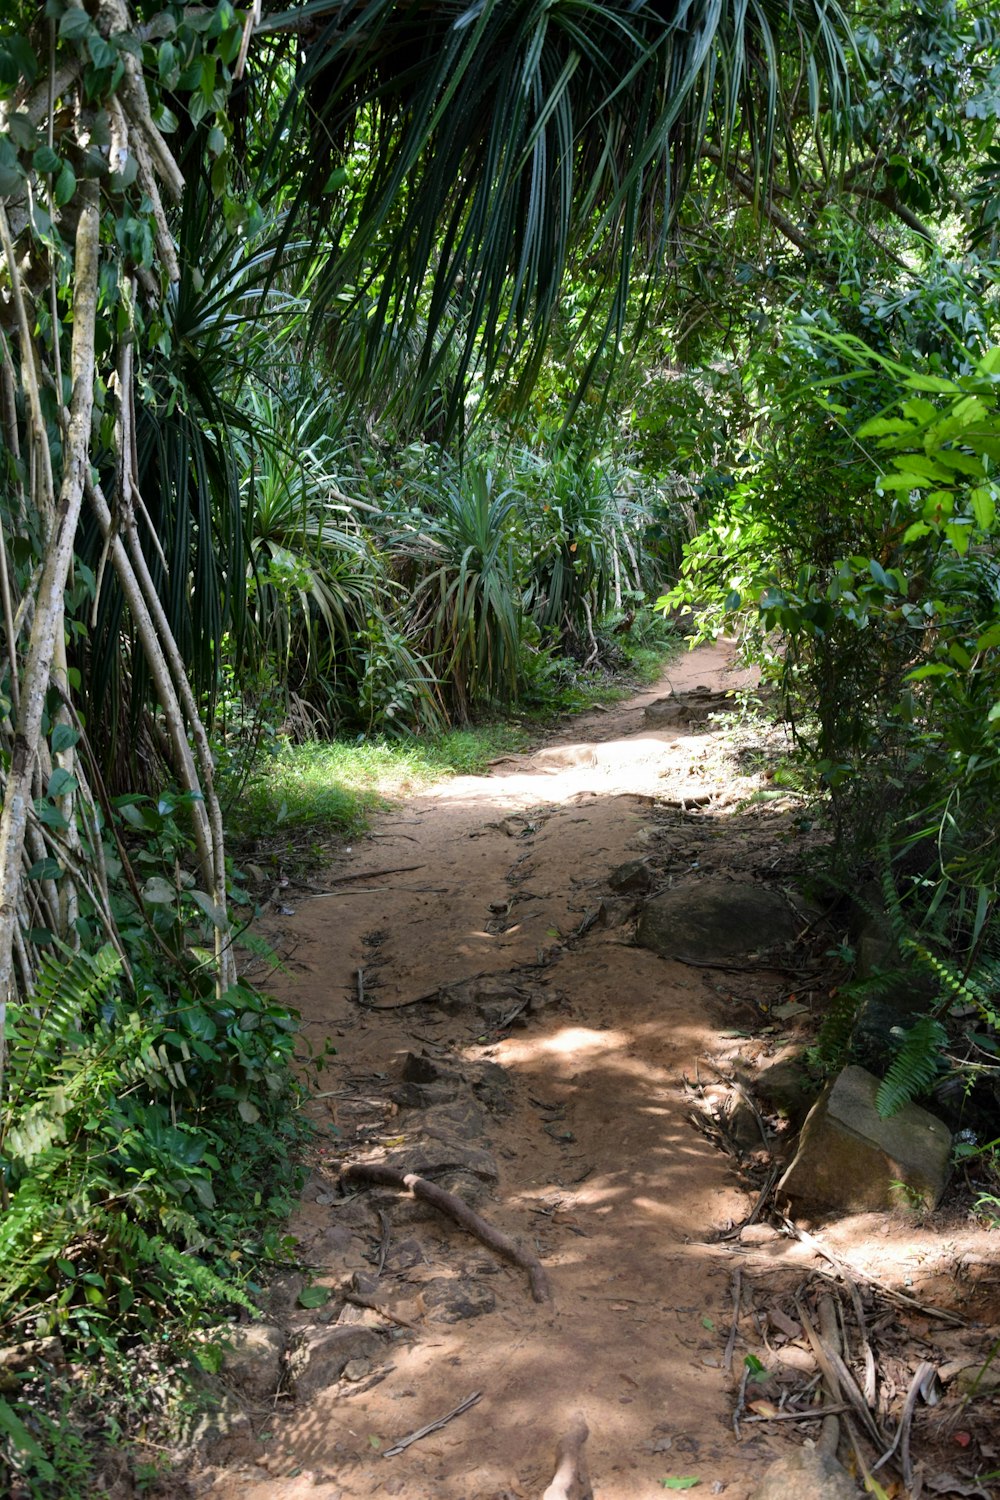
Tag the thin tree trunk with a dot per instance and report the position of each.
(59, 555)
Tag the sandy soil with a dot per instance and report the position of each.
(600, 1166)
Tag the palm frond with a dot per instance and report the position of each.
(484, 143)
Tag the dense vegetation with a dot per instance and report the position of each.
(368, 370)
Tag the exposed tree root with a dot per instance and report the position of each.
(448, 1203)
(571, 1480)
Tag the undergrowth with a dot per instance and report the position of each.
(149, 1138)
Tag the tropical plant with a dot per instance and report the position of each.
(453, 545)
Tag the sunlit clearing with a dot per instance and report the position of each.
(571, 1041)
(561, 772)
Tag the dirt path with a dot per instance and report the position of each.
(599, 1166)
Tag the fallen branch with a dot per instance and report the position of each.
(448, 1203)
(809, 1414)
(571, 1480)
(727, 1362)
(367, 875)
(422, 1432)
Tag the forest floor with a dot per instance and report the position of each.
(582, 1085)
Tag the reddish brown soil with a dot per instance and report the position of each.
(621, 1195)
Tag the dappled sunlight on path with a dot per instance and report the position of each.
(599, 1165)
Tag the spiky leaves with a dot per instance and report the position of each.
(486, 144)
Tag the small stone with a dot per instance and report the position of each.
(357, 1369)
(454, 1299)
(788, 1087)
(222, 1435)
(806, 1474)
(281, 1295)
(634, 875)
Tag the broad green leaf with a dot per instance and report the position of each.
(214, 912)
(74, 24)
(933, 669)
(314, 1296)
(63, 737)
(990, 362)
(46, 160)
(983, 507)
(21, 1439)
(65, 184)
(960, 536)
(11, 172)
(915, 463)
(61, 783)
(248, 1112)
(885, 427)
(159, 892)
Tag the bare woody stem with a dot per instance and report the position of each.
(48, 612)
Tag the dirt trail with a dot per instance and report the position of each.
(600, 1167)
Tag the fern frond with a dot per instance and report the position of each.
(69, 988)
(830, 1048)
(914, 1068)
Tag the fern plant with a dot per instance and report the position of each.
(915, 1067)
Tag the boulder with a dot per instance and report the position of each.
(806, 1474)
(716, 919)
(325, 1353)
(849, 1159)
(253, 1358)
(788, 1088)
(222, 1434)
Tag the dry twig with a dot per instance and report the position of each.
(422, 1432)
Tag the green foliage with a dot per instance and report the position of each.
(914, 1068)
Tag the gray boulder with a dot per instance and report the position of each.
(253, 1358)
(325, 1353)
(849, 1159)
(716, 919)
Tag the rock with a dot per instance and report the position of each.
(420, 1068)
(452, 1299)
(612, 914)
(788, 1088)
(664, 711)
(634, 875)
(848, 1157)
(325, 1353)
(806, 1474)
(691, 707)
(221, 1435)
(253, 1358)
(281, 1295)
(716, 919)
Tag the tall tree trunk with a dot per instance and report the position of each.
(48, 613)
